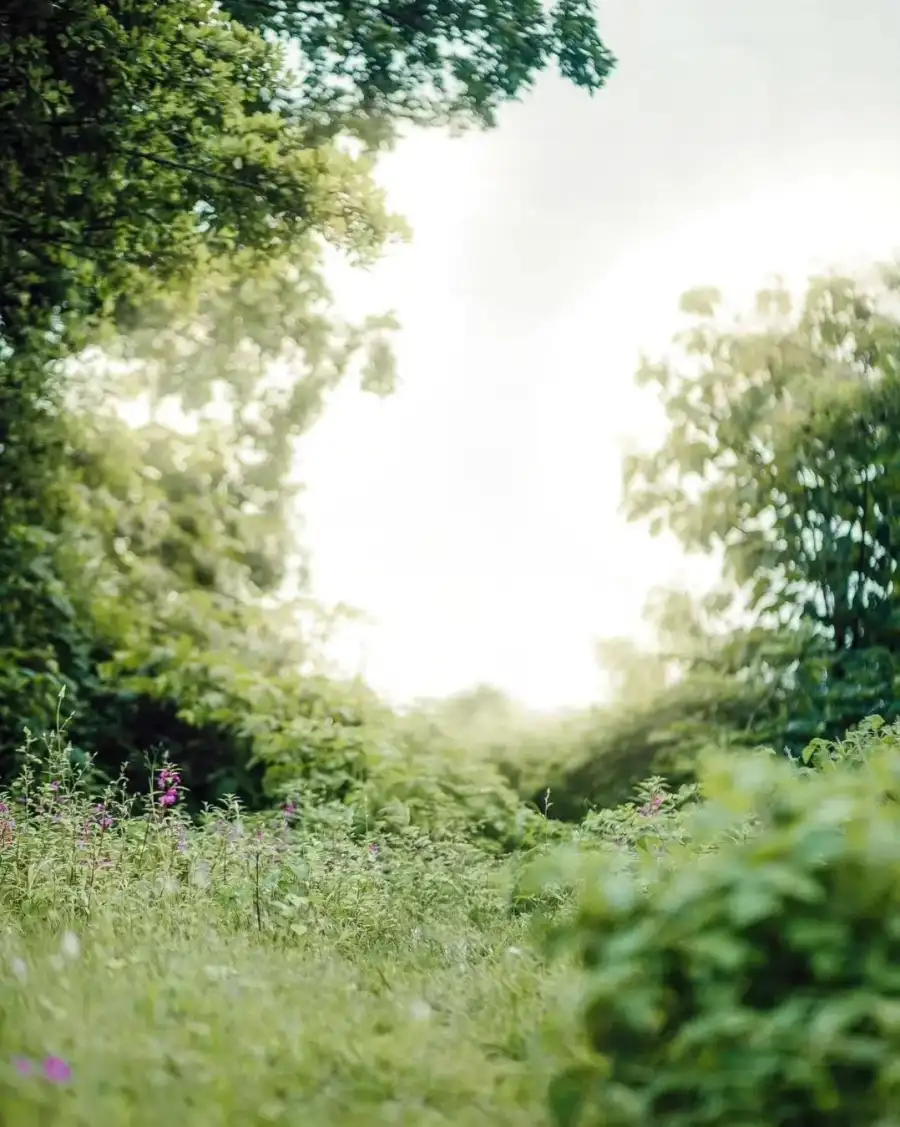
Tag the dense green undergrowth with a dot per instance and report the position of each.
(725, 953)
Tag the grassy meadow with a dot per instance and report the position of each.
(251, 971)
(725, 953)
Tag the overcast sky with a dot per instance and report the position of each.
(474, 514)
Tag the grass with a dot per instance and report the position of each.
(250, 972)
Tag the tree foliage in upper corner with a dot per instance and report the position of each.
(429, 61)
(140, 138)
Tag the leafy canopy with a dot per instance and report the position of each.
(782, 453)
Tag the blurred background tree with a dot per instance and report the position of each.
(782, 457)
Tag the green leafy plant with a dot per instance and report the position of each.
(753, 981)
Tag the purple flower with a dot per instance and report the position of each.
(104, 819)
(373, 850)
(169, 798)
(23, 1066)
(57, 1071)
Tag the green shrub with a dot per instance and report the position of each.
(756, 981)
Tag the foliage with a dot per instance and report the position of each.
(447, 787)
(781, 457)
(703, 692)
(86, 113)
(447, 61)
(750, 979)
(167, 187)
(174, 536)
(141, 140)
(782, 454)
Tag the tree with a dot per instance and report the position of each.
(141, 138)
(429, 61)
(783, 454)
(167, 185)
(143, 152)
(179, 536)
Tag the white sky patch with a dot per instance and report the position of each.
(474, 516)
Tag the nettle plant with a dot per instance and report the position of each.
(755, 982)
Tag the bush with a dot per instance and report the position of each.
(756, 980)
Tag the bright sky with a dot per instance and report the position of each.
(473, 515)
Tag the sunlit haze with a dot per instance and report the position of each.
(474, 515)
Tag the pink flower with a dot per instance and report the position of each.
(57, 1071)
(23, 1066)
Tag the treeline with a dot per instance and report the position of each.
(170, 178)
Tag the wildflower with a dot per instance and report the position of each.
(54, 786)
(168, 782)
(373, 850)
(57, 1071)
(103, 818)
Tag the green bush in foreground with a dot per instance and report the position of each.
(756, 983)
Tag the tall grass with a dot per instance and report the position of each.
(255, 970)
